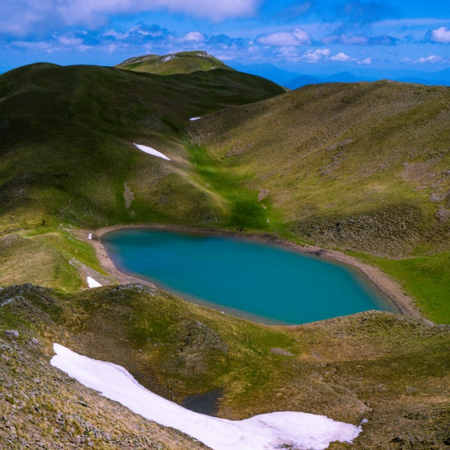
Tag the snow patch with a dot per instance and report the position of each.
(151, 151)
(194, 118)
(92, 283)
(168, 58)
(263, 432)
(7, 302)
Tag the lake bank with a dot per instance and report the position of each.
(374, 276)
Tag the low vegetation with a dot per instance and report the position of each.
(41, 407)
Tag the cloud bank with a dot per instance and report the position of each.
(20, 17)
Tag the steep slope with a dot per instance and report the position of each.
(362, 167)
(67, 137)
(181, 62)
(41, 407)
(398, 380)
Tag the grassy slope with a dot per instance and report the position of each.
(427, 277)
(245, 210)
(398, 379)
(181, 62)
(361, 167)
(67, 137)
(53, 258)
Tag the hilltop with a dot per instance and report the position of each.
(181, 62)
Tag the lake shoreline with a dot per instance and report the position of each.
(390, 288)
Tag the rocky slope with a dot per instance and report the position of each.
(390, 370)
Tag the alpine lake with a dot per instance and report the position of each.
(251, 279)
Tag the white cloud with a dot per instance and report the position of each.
(224, 57)
(292, 38)
(193, 36)
(441, 35)
(432, 59)
(342, 57)
(289, 54)
(19, 17)
(314, 56)
(34, 46)
(69, 41)
(138, 31)
(382, 39)
(60, 44)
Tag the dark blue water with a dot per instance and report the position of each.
(250, 279)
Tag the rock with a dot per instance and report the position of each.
(12, 334)
(263, 193)
(435, 197)
(33, 343)
(280, 351)
(443, 214)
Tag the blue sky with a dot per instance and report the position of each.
(376, 38)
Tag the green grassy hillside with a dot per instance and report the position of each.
(398, 379)
(181, 62)
(67, 137)
(360, 167)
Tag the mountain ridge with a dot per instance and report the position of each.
(174, 63)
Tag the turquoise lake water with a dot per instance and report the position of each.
(250, 279)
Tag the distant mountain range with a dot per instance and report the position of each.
(294, 80)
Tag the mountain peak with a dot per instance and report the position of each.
(172, 63)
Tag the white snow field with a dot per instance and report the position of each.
(271, 431)
(151, 151)
(92, 283)
(194, 118)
